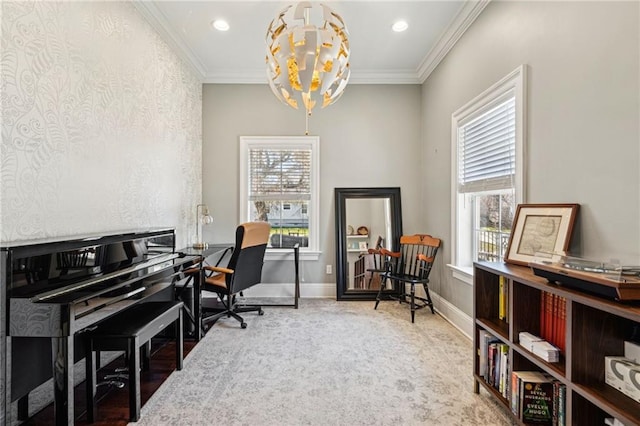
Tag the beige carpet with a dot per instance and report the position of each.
(327, 363)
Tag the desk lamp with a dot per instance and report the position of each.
(202, 218)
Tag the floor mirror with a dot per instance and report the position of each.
(365, 218)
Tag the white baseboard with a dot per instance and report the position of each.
(453, 314)
(307, 290)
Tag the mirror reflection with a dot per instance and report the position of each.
(368, 223)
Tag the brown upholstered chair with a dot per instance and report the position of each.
(243, 271)
(411, 265)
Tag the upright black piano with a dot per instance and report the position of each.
(53, 290)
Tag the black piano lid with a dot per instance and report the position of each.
(46, 265)
(36, 247)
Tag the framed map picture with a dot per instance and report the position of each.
(540, 228)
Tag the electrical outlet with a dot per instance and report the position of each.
(329, 270)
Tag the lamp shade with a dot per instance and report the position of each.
(307, 56)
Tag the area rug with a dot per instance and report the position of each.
(327, 363)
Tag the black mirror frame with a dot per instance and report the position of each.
(341, 196)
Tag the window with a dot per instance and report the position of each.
(488, 140)
(279, 184)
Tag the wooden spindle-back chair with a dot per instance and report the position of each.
(411, 265)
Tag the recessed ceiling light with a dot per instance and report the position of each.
(220, 25)
(399, 26)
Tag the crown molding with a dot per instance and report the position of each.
(460, 23)
(384, 77)
(158, 21)
(357, 77)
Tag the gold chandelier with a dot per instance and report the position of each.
(307, 64)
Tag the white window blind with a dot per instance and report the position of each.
(280, 174)
(486, 151)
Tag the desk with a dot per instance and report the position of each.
(203, 254)
(296, 297)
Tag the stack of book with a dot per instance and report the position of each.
(553, 319)
(546, 351)
(538, 398)
(539, 347)
(494, 362)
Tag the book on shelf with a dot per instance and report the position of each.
(539, 347)
(484, 338)
(537, 398)
(504, 370)
(503, 295)
(498, 366)
(553, 319)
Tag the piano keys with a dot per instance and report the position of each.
(53, 290)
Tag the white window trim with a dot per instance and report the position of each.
(462, 273)
(515, 81)
(312, 142)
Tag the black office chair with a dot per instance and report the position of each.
(243, 271)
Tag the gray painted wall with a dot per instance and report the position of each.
(583, 118)
(370, 138)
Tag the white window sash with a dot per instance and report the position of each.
(513, 83)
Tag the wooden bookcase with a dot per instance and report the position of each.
(595, 328)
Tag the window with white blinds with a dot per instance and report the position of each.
(486, 150)
(487, 179)
(279, 181)
(279, 174)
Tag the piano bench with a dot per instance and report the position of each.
(128, 331)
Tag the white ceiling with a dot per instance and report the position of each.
(378, 55)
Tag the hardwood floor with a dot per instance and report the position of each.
(113, 403)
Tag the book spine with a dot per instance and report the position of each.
(514, 392)
(537, 402)
(543, 313)
(554, 319)
(491, 365)
(501, 298)
(504, 370)
(548, 317)
(562, 343)
(556, 398)
(562, 406)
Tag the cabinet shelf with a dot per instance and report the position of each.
(496, 327)
(556, 369)
(493, 391)
(612, 401)
(590, 329)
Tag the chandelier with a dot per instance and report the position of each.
(307, 61)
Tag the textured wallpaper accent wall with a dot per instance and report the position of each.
(101, 123)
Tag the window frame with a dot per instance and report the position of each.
(514, 82)
(285, 142)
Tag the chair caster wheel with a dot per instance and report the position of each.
(260, 312)
(243, 325)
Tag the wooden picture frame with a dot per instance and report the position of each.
(540, 228)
